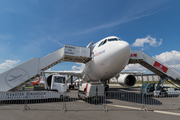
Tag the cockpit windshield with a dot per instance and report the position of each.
(102, 43)
(109, 40)
(114, 39)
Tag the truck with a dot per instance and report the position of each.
(56, 82)
(91, 92)
(56, 87)
(150, 89)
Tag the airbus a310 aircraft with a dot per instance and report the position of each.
(109, 57)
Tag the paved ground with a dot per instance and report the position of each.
(117, 85)
(80, 110)
(80, 113)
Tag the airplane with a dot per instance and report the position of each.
(109, 57)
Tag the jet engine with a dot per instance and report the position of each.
(127, 80)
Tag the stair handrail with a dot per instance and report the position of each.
(169, 66)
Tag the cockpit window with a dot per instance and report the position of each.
(120, 39)
(102, 43)
(113, 39)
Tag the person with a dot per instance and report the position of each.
(23, 87)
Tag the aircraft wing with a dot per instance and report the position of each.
(72, 73)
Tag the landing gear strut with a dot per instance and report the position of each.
(71, 86)
(106, 86)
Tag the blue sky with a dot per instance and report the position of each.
(35, 28)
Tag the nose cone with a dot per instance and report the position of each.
(124, 48)
(123, 51)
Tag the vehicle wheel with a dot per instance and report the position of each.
(106, 93)
(89, 100)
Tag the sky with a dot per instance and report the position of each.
(35, 28)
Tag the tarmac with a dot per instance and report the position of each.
(89, 112)
(81, 113)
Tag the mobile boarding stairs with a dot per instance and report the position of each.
(27, 71)
(164, 71)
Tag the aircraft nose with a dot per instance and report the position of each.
(124, 47)
(123, 52)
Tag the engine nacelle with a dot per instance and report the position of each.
(127, 80)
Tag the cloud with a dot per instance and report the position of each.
(170, 58)
(140, 42)
(108, 25)
(75, 68)
(49, 69)
(5, 36)
(135, 68)
(8, 64)
(55, 41)
(135, 12)
(78, 68)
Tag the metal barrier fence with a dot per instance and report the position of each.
(52, 98)
(74, 99)
(142, 100)
(171, 99)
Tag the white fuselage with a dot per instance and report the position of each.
(107, 60)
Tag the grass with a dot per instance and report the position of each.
(140, 82)
(137, 82)
(29, 87)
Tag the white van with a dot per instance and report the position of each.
(91, 91)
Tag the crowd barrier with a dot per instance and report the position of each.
(142, 100)
(65, 100)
